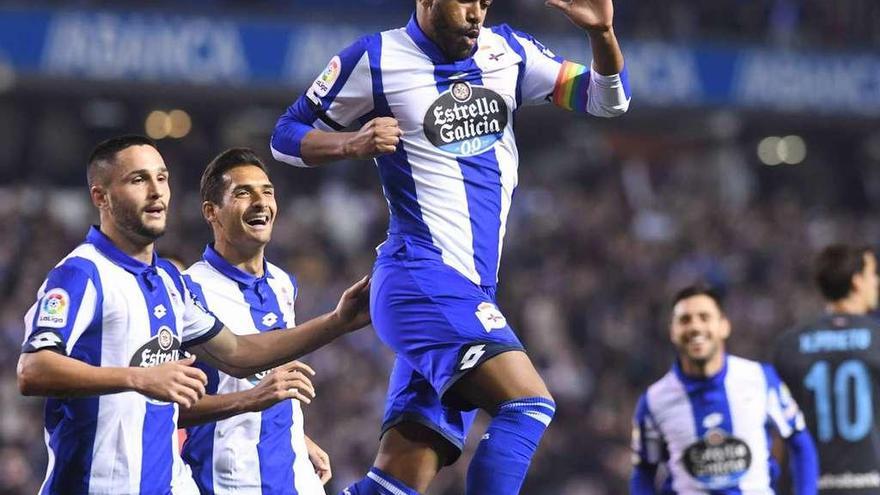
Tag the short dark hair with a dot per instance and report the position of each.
(700, 290)
(835, 267)
(212, 184)
(104, 155)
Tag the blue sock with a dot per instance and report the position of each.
(377, 482)
(502, 459)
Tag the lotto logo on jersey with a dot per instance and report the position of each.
(54, 309)
(490, 316)
(466, 120)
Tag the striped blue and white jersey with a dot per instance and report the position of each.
(104, 308)
(258, 452)
(713, 434)
(450, 183)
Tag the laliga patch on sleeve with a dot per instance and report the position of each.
(490, 316)
(54, 309)
(321, 87)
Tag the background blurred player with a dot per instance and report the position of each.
(261, 447)
(437, 101)
(105, 335)
(832, 365)
(708, 419)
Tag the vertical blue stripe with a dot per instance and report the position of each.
(709, 396)
(482, 183)
(772, 381)
(159, 424)
(395, 171)
(198, 450)
(274, 450)
(72, 423)
(505, 32)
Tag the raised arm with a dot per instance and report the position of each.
(244, 355)
(596, 18)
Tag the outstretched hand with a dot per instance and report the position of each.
(591, 15)
(353, 309)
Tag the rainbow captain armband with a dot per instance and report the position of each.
(582, 90)
(572, 87)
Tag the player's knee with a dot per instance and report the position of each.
(532, 412)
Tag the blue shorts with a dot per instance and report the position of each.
(441, 326)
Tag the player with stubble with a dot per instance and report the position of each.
(105, 338)
(436, 101)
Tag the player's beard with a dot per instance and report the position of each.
(451, 38)
(128, 219)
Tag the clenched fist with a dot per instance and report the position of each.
(379, 136)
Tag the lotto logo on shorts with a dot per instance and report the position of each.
(54, 309)
(490, 316)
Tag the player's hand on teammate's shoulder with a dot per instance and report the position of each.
(591, 15)
(379, 136)
(288, 381)
(176, 381)
(320, 460)
(353, 309)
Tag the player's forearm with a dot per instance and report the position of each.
(258, 352)
(50, 374)
(320, 147)
(607, 57)
(642, 480)
(804, 463)
(215, 408)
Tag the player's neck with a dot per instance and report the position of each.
(138, 249)
(702, 369)
(852, 305)
(247, 258)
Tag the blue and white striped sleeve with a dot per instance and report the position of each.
(199, 324)
(648, 449)
(67, 305)
(782, 410)
(341, 94)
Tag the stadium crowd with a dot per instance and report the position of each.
(849, 23)
(598, 241)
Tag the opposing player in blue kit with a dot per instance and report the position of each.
(436, 102)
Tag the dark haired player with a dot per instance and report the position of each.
(436, 102)
(104, 339)
(832, 366)
(709, 419)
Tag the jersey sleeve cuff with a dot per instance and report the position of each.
(210, 334)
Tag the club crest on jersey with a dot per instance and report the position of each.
(163, 348)
(466, 120)
(490, 316)
(718, 460)
(54, 309)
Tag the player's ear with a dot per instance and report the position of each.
(99, 196)
(209, 211)
(725, 327)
